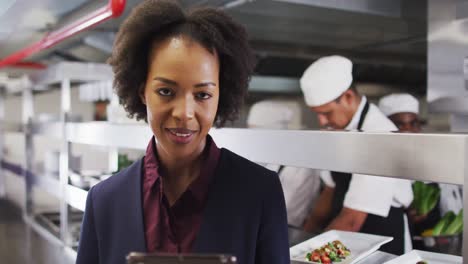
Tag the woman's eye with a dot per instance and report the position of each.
(165, 92)
(203, 96)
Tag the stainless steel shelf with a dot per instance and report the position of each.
(12, 127)
(69, 252)
(73, 71)
(429, 157)
(63, 75)
(450, 105)
(42, 231)
(49, 184)
(275, 84)
(76, 197)
(109, 134)
(49, 129)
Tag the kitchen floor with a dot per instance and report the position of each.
(21, 244)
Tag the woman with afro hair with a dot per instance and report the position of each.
(184, 72)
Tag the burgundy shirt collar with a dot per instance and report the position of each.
(199, 187)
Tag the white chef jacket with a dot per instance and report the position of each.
(451, 198)
(301, 188)
(372, 194)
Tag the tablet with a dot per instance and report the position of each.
(155, 258)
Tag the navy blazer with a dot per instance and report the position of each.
(245, 215)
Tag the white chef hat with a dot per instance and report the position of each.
(270, 114)
(326, 79)
(398, 103)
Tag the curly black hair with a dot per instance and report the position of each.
(157, 20)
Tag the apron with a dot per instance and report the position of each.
(392, 226)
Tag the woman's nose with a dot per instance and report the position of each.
(184, 108)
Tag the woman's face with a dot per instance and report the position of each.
(181, 95)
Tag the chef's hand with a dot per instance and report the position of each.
(317, 218)
(414, 217)
(309, 225)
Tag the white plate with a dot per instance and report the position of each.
(377, 257)
(360, 244)
(414, 256)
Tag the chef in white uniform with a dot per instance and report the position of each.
(301, 186)
(353, 202)
(403, 110)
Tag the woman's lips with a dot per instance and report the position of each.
(181, 135)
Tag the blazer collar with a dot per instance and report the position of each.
(134, 217)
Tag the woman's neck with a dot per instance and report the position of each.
(179, 172)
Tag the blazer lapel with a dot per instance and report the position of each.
(213, 223)
(134, 234)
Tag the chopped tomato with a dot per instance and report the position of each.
(326, 260)
(329, 253)
(315, 257)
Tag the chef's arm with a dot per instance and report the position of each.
(322, 209)
(348, 220)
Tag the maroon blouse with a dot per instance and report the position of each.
(174, 229)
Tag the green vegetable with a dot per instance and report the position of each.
(460, 228)
(123, 162)
(428, 193)
(431, 200)
(442, 225)
(451, 218)
(425, 197)
(455, 226)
